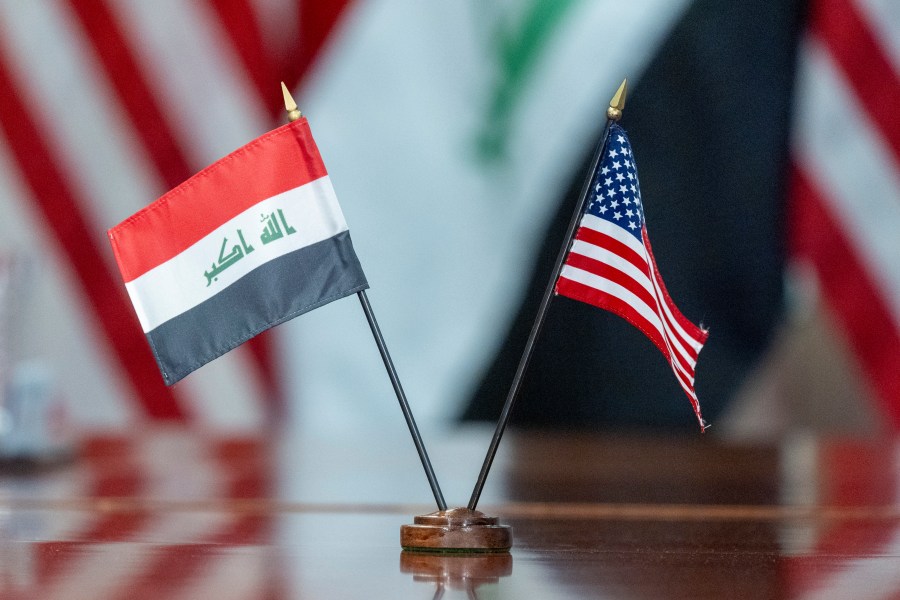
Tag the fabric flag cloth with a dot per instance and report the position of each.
(251, 241)
(611, 265)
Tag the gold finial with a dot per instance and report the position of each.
(617, 104)
(289, 105)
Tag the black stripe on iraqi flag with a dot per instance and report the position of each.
(275, 292)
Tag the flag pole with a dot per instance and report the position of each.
(401, 397)
(294, 114)
(613, 114)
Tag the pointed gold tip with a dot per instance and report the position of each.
(618, 100)
(289, 105)
(617, 104)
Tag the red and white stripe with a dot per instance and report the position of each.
(831, 472)
(845, 196)
(103, 106)
(145, 553)
(609, 268)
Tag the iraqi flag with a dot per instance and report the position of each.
(251, 241)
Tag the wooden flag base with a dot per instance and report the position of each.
(457, 571)
(456, 530)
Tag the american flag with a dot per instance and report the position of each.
(611, 265)
(845, 190)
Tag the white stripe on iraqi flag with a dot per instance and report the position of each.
(178, 285)
(611, 265)
(251, 241)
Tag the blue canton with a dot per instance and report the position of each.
(616, 195)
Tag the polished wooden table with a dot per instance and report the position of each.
(170, 513)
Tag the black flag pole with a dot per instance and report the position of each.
(293, 115)
(613, 114)
(401, 397)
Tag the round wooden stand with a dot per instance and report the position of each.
(456, 571)
(456, 530)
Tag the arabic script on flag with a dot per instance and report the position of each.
(251, 241)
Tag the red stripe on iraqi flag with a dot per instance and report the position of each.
(265, 167)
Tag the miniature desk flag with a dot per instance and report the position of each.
(610, 265)
(251, 241)
(605, 260)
